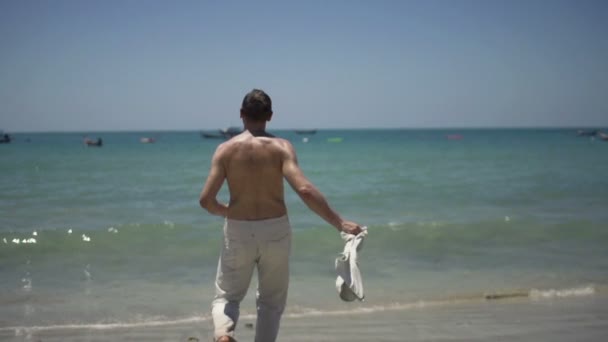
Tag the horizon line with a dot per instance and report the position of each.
(84, 131)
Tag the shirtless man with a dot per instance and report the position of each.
(257, 230)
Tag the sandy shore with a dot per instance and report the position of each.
(558, 319)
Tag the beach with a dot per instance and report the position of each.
(556, 319)
(493, 235)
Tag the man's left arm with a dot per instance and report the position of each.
(215, 179)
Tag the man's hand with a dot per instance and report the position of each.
(350, 227)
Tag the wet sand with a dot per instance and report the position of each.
(558, 319)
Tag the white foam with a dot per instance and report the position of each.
(87, 272)
(18, 241)
(433, 224)
(563, 293)
(378, 308)
(305, 312)
(106, 326)
(27, 284)
(395, 226)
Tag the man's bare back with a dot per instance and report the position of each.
(253, 166)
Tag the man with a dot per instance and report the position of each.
(257, 231)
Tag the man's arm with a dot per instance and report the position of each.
(311, 196)
(215, 179)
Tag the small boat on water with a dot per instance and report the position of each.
(93, 143)
(226, 133)
(584, 133)
(5, 139)
(231, 131)
(146, 140)
(208, 135)
(602, 136)
(306, 131)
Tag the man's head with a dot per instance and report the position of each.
(257, 106)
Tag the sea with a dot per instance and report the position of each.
(113, 236)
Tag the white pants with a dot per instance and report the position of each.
(267, 244)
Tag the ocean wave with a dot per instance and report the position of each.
(154, 322)
(121, 236)
(562, 293)
(534, 294)
(419, 236)
(305, 312)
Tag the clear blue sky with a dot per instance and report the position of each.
(130, 65)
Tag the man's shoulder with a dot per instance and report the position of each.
(271, 140)
(282, 142)
(223, 148)
(237, 143)
(284, 145)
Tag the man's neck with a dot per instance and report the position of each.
(255, 126)
(257, 129)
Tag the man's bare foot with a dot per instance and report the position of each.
(225, 339)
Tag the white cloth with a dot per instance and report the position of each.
(349, 283)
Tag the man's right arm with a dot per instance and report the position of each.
(215, 179)
(311, 196)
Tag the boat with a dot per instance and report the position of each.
(231, 131)
(583, 133)
(93, 143)
(5, 139)
(603, 136)
(225, 133)
(212, 135)
(146, 140)
(306, 131)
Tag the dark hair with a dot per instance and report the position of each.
(257, 106)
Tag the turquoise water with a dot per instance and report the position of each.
(119, 236)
